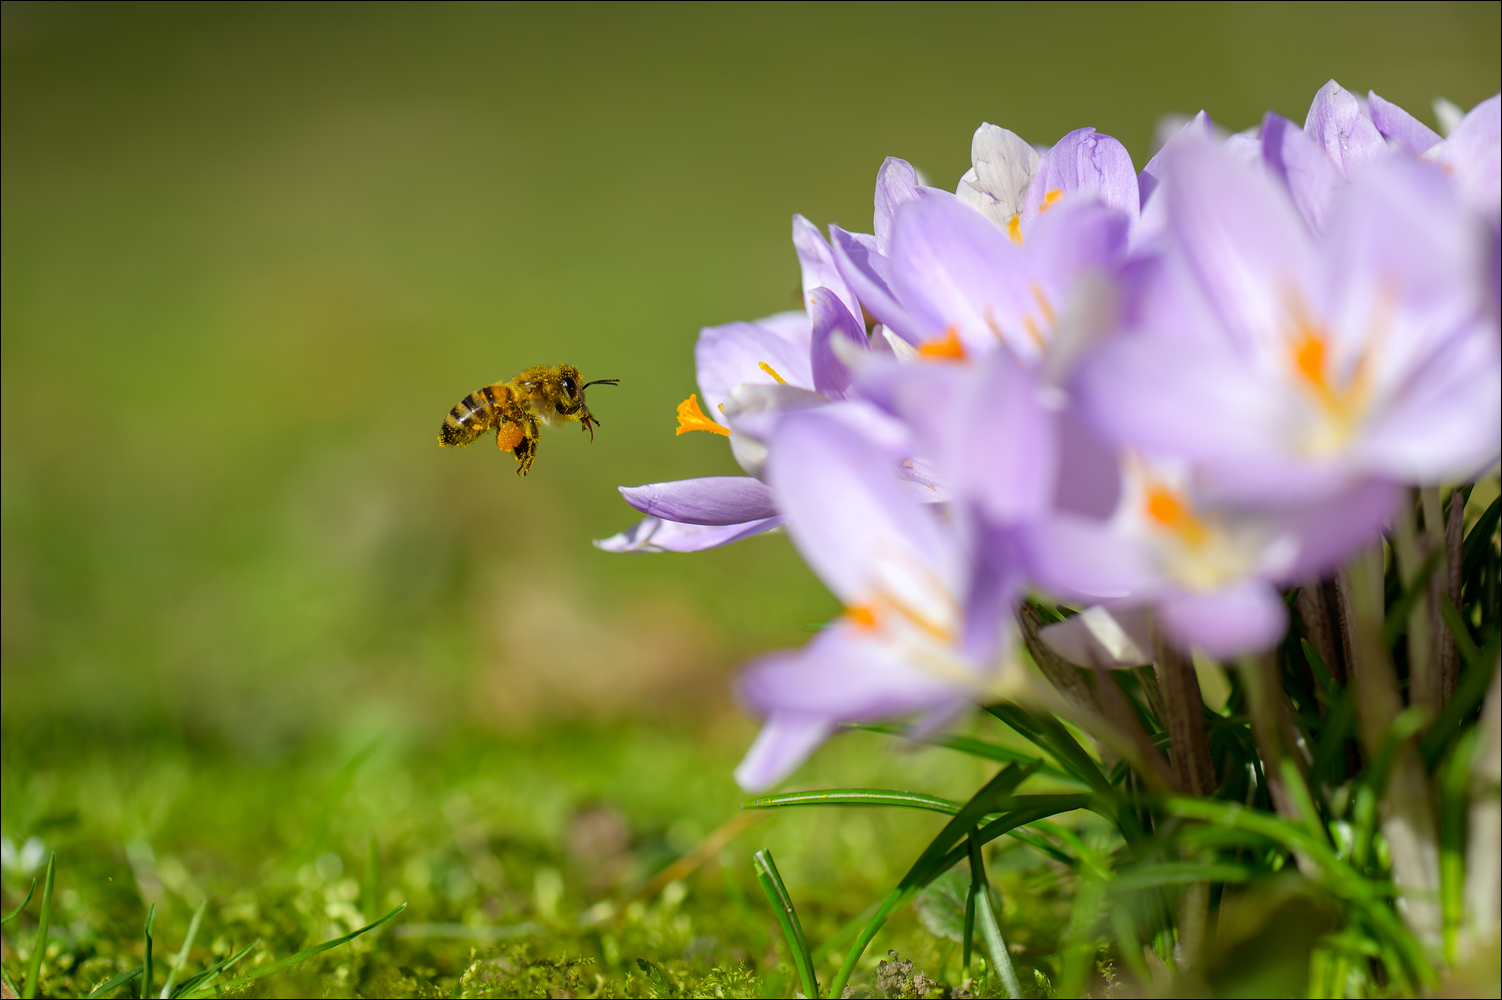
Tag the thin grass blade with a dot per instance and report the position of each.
(787, 917)
(13, 914)
(106, 988)
(301, 956)
(194, 982)
(996, 947)
(182, 955)
(44, 924)
(146, 967)
(857, 797)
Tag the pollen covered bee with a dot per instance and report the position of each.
(516, 409)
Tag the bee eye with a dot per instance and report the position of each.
(568, 386)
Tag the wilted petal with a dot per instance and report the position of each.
(1347, 136)
(1399, 126)
(1003, 165)
(1311, 176)
(711, 500)
(1249, 617)
(653, 534)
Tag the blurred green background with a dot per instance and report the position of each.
(252, 254)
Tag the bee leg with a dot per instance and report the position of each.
(590, 423)
(526, 449)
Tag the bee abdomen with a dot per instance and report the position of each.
(472, 416)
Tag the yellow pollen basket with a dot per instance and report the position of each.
(945, 348)
(1173, 514)
(691, 418)
(772, 372)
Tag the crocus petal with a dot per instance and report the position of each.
(1003, 165)
(1082, 558)
(1247, 618)
(831, 321)
(986, 431)
(1084, 162)
(868, 274)
(785, 741)
(843, 675)
(732, 355)
(1473, 153)
(896, 185)
(954, 270)
(1089, 475)
(851, 517)
(1347, 136)
(1241, 236)
(1329, 531)
(998, 578)
(817, 262)
(1311, 176)
(1157, 168)
(653, 534)
(1103, 637)
(711, 500)
(1399, 126)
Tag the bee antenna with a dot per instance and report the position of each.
(603, 381)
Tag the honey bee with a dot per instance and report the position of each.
(515, 409)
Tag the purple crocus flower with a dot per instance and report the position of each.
(1212, 570)
(920, 633)
(1289, 369)
(1010, 184)
(749, 374)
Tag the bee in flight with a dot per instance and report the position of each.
(515, 409)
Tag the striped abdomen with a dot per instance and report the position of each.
(475, 414)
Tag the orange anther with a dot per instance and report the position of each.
(862, 616)
(945, 347)
(691, 418)
(1172, 513)
(1014, 228)
(1049, 199)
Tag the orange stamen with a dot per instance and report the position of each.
(691, 418)
(1049, 199)
(769, 370)
(1172, 513)
(862, 616)
(1014, 228)
(945, 347)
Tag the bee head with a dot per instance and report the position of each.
(570, 388)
